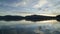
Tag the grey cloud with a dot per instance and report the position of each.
(18, 3)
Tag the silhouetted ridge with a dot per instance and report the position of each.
(11, 18)
(38, 18)
(58, 17)
(29, 18)
(1, 17)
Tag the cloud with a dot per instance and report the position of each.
(48, 7)
(40, 3)
(35, 6)
(17, 7)
(55, 6)
(18, 3)
(12, 3)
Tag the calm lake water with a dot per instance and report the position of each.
(28, 27)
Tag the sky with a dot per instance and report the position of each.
(23, 7)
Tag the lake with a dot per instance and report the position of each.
(28, 27)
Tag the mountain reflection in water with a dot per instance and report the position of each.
(28, 27)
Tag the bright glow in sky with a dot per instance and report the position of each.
(30, 7)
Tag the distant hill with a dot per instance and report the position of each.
(29, 18)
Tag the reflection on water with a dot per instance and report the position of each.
(28, 22)
(28, 27)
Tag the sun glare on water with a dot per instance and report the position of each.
(49, 21)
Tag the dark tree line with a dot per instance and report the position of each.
(29, 18)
